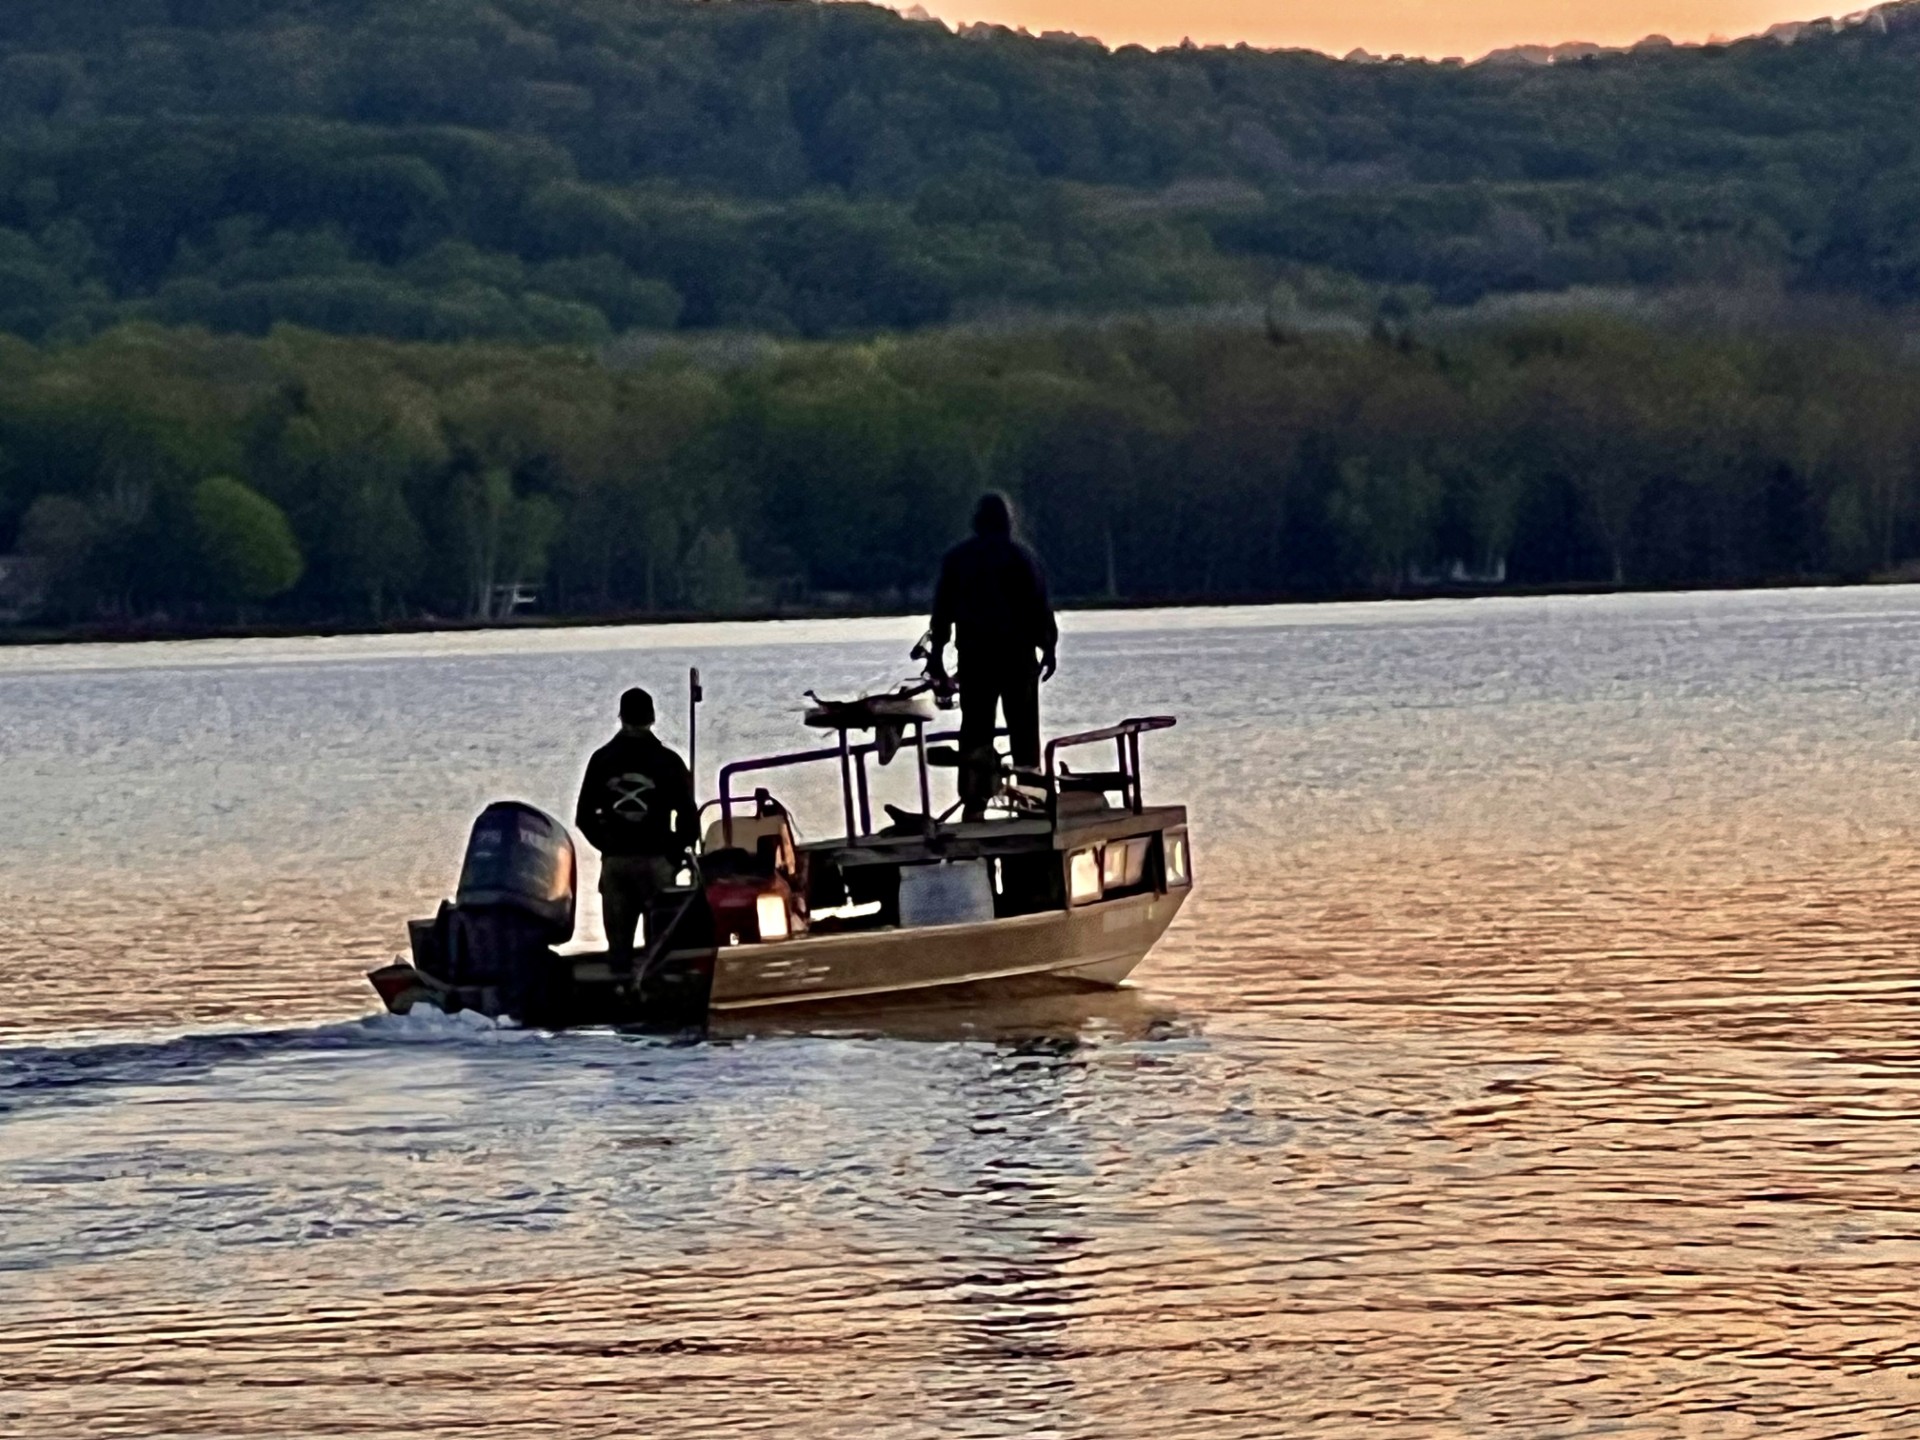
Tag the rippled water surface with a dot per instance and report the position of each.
(1538, 1058)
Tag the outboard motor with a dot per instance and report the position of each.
(521, 859)
(515, 900)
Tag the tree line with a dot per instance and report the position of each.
(537, 171)
(309, 478)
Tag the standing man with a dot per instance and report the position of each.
(992, 598)
(637, 809)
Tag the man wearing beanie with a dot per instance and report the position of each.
(637, 809)
(992, 600)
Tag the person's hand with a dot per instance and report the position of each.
(1049, 663)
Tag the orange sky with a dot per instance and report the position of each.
(1467, 28)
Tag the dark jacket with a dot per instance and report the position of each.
(993, 593)
(637, 799)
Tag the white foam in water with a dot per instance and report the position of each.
(428, 1023)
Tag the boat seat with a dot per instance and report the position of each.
(1085, 802)
(765, 837)
(893, 712)
(1093, 782)
(732, 860)
(906, 822)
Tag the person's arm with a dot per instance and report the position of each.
(686, 807)
(589, 815)
(942, 628)
(1046, 627)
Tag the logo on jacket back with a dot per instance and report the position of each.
(630, 793)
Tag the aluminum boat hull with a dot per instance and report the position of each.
(1096, 944)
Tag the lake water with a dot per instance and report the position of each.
(1538, 1057)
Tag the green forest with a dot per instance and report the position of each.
(377, 480)
(562, 170)
(384, 311)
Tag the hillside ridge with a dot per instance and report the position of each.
(568, 170)
(1877, 19)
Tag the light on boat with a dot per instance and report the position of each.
(1179, 862)
(1124, 862)
(771, 912)
(1083, 876)
(848, 911)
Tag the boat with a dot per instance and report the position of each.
(1069, 881)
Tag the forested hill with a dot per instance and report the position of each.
(568, 169)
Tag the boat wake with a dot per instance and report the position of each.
(95, 1067)
(73, 1065)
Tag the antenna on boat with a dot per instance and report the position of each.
(694, 696)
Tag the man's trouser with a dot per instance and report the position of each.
(988, 684)
(629, 885)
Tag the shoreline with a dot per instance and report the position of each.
(14, 636)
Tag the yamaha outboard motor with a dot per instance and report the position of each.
(515, 900)
(521, 859)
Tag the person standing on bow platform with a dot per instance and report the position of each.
(637, 809)
(992, 600)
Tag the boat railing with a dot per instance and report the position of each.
(843, 752)
(1126, 737)
(855, 794)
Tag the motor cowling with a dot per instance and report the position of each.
(521, 859)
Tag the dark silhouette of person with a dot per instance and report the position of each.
(992, 601)
(637, 809)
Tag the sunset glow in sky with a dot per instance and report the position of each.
(1468, 28)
